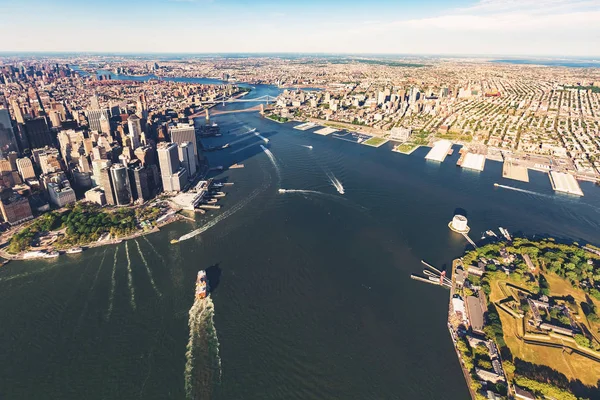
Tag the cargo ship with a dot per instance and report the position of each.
(201, 285)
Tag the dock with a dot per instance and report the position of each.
(210, 206)
(515, 172)
(474, 161)
(565, 183)
(469, 240)
(439, 151)
(325, 131)
(430, 266)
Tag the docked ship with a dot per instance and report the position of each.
(74, 250)
(201, 285)
(505, 233)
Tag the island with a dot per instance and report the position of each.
(524, 319)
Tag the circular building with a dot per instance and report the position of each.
(459, 224)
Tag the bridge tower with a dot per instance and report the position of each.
(262, 109)
(207, 116)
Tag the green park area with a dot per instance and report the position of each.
(543, 302)
(79, 224)
(375, 141)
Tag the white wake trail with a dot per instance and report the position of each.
(244, 148)
(299, 191)
(264, 139)
(336, 183)
(221, 217)
(308, 147)
(130, 279)
(522, 190)
(87, 301)
(273, 161)
(147, 269)
(154, 249)
(113, 282)
(203, 363)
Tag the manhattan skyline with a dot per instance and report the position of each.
(484, 27)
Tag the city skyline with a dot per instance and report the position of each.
(484, 27)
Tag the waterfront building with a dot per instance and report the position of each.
(96, 195)
(25, 168)
(97, 166)
(8, 142)
(61, 193)
(179, 180)
(459, 224)
(15, 208)
(120, 184)
(135, 130)
(400, 133)
(183, 133)
(187, 158)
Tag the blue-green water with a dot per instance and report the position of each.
(311, 291)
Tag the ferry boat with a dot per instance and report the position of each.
(74, 250)
(201, 285)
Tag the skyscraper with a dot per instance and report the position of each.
(38, 133)
(172, 175)
(135, 130)
(187, 158)
(139, 178)
(183, 133)
(107, 186)
(8, 142)
(121, 186)
(94, 116)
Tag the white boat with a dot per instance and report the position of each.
(52, 254)
(281, 190)
(505, 233)
(74, 250)
(490, 233)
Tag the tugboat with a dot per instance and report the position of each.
(201, 285)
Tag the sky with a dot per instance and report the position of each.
(452, 27)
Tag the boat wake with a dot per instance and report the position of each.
(87, 300)
(273, 161)
(111, 297)
(154, 249)
(308, 147)
(130, 279)
(203, 363)
(148, 269)
(245, 147)
(299, 191)
(264, 139)
(521, 190)
(221, 217)
(336, 183)
(244, 136)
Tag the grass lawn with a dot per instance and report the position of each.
(375, 141)
(406, 148)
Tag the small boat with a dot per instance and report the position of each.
(52, 254)
(174, 241)
(5, 262)
(74, 250)
(201, 285)
(490, 233)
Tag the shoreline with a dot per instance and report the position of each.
(20, 256)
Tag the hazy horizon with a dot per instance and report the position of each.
(506, 28)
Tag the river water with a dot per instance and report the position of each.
(311, 291)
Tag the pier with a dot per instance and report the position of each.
(469, 239)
